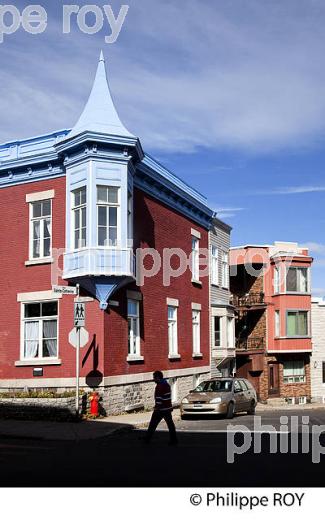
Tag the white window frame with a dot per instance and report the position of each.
(41, 220)
(297, 311)
(299, 280)
(195, 259)
(173, 327)
(276, 282)
(225, 270)
(40, 319)
(134, 329)
(78, 208)
(230, 332)
(292, 378)
(220, 318)
(107, 206)
(277, 324)
(214, 265)
(196, 332)
(130, 218)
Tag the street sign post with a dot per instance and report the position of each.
(79, 314)
(64, 289)
(73, 337)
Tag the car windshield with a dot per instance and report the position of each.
(214, 386)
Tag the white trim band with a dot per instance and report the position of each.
(40, 195)
(196, 306)
(38, 296)
(195, 233)
(172, 302)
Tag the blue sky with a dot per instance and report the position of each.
(229, 94)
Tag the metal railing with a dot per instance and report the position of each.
(250, 343)
(248, 300)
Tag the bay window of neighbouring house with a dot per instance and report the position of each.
(297, 279)
(294, 371)
(172, 330)
(40, 229)
(134, 327)
(195, 259)
(40, 330)
(196, 332)
(107, 215)
(79, 212)
(130, 218)
(297, 323)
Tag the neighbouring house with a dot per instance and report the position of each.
(88, 201)
(317, 362)
(222, 312)
(270, 286)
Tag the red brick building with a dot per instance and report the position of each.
(270, 288)
(87, 200)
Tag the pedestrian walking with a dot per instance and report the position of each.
(163, 409)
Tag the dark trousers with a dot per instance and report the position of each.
(156, 417)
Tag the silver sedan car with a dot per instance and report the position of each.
(222, 395)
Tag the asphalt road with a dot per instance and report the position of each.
(200, 459)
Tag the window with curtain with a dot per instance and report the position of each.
(80, 217)
(297, 279)
(214, 266)
(294, 371)
(196, 333)
(195, 259)
(41, 229)
(172, 330)
(134, 327)
(297, 323)
(107, 215)
(40, 325)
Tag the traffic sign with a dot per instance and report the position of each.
(79, 314)
(73, 337)
(64, 289)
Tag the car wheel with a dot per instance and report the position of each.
(230, 410)
(252, 408)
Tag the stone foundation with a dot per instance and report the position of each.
(114, 400)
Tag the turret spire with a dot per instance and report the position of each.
(99, 114)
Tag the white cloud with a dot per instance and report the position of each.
(315, 247)
(290, 190)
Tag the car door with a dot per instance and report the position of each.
(239, 395)
(248, 394)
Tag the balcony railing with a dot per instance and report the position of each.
(248, 300)
(99, 261)
(250, 344)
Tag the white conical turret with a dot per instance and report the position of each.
(99, 114)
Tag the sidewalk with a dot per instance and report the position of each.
(68, 431)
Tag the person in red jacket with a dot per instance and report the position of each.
(163, 409)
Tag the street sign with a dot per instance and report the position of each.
(79, 314)
(73, 337)
(64, 289)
